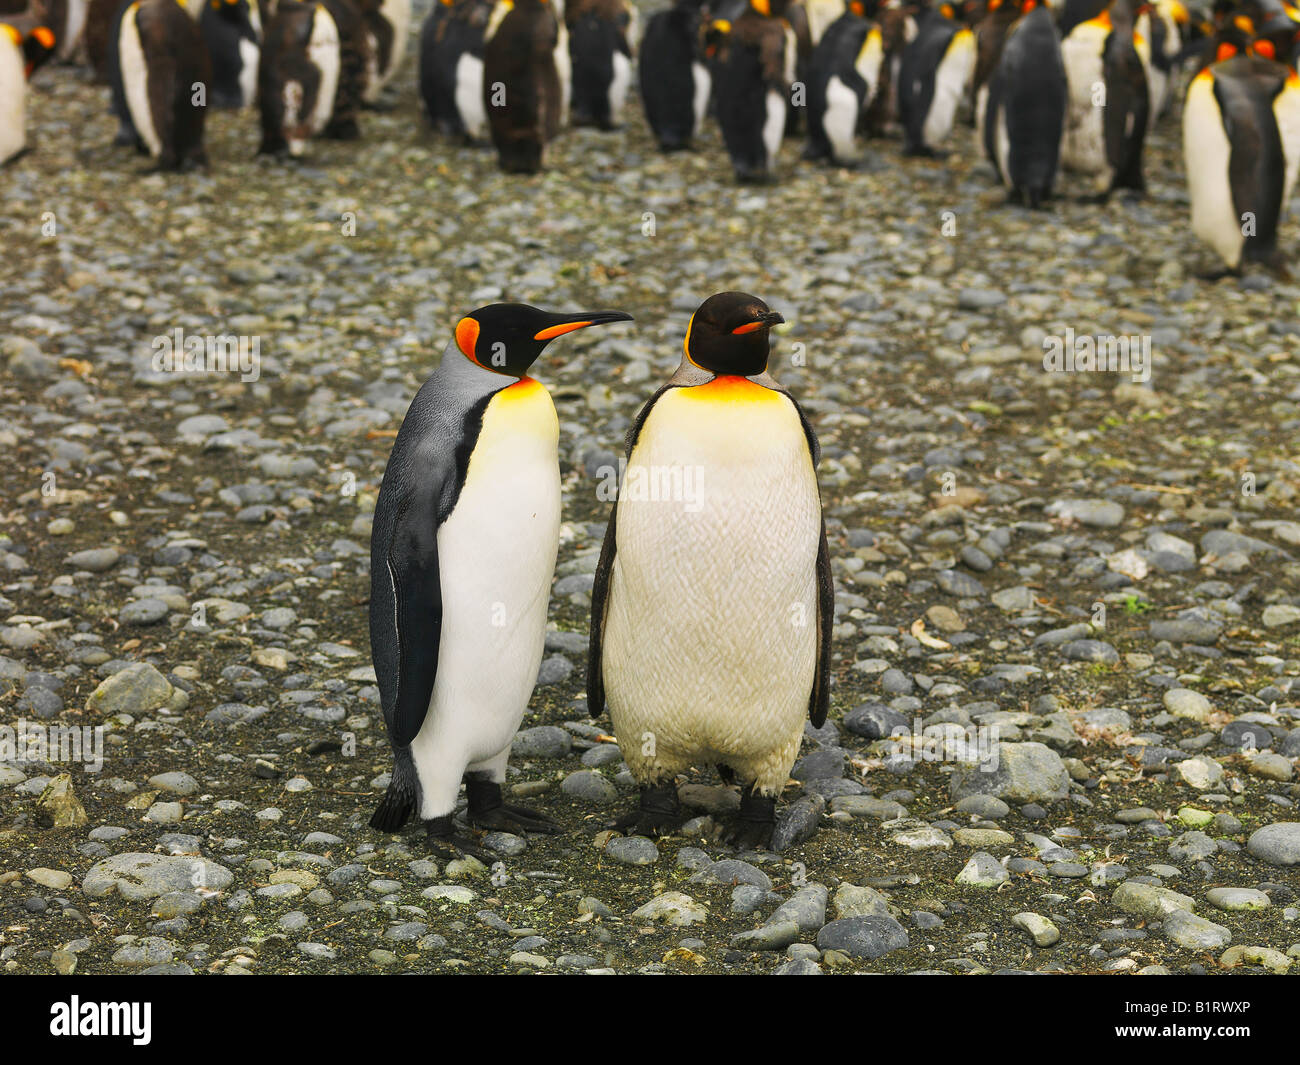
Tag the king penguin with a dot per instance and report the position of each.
(21, 52)
(673, 77)
(843, 78)
(462, 553)
(1026, 107)
(936, 71)
(712, 605)
(1241, 146)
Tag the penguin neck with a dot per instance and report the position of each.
(193, 8)
(456, 372)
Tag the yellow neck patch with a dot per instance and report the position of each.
(730, 389)
(12, 34)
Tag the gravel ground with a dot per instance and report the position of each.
(1106, 571)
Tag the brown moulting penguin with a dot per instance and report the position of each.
(673, 75)
(312, 74)
(713, 603)
(451, 68)
(388, 25)
(752, 67)
(523, 93)
(1241, 148)
(164, 73)
(1109, 105)
(23, 48)
(990, 32)
(600, 51)
(462, 554)
(232, 32)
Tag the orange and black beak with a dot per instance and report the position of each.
(569, 323)
(767, 318)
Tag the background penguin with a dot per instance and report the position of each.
(462, 553)
(990, 34)
(1105, 140)
(897, 29)
(232, 31)
(1026, 107)
(711, 619)
(600, 35)
(821, 15)
(312, 74)
(752, 69)
(674, 78)
(1157, 25)
(161, 59)
(451, 68)
(1241, 147)
(843, 79)
(67, 20)
(23, 48)
(97, 37)
(388, 23)
(519, 59)
(936, 70)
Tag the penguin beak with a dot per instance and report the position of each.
(568, 323)
(767, 318)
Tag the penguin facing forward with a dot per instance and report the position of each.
(22, 50)
(600, 51)
(935, 72)
(462, 554)
(388, 24)
(753, 67)
(522, 89)
(897, 29)
(1158, 25)
(451, 68)
(712, 608)
(1109, 108)
(1026, 107)
(163, 65)
(843, 80)
(232, 32)
(673, 75)
(312, 74)
(1241, 146)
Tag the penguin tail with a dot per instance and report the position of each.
(399, 800)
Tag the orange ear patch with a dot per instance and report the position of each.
(1226, 51)
(748, 327)
(467, 336)
(559, 330)
(1264, 48)
(45, 35)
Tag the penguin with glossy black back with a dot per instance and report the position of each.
(713, 602)
(1026, 107)
(165, 71)
(388, 24)
(1109, 108)
(312, 74)
(600, 51)
(522, 90)
(462, 553)
(752, 70)
(673, 75)
(451, 68)
(232, 31)
(1241, 147)
(843, 80)
(23, 48)
(933, 78)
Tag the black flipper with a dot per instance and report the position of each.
(398, 803)
(820, 700)
(412, 568)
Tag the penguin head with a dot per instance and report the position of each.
(728, 334)
(507, 338)
(38, 46)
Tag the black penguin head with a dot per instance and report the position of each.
(38, 46)
(728, 334)
(506, 338)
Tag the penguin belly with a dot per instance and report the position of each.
(469, 96)
(1083, 143)
(1207, 153)
(951, 78)
(13, 93)
(840, 119)
(710, 643)
(135, 81)
(496, 557)
(618, 86)
(702, 82)
(773, 126)
(249, 56)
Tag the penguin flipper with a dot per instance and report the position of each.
(411, 569)
(599, 596)
(820, 700)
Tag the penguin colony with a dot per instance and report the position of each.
(1065, 85)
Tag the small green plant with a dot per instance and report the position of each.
(1136, 605)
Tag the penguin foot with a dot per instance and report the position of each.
(752, 828)
(486, 810)
(443, 840)
(658, 812)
